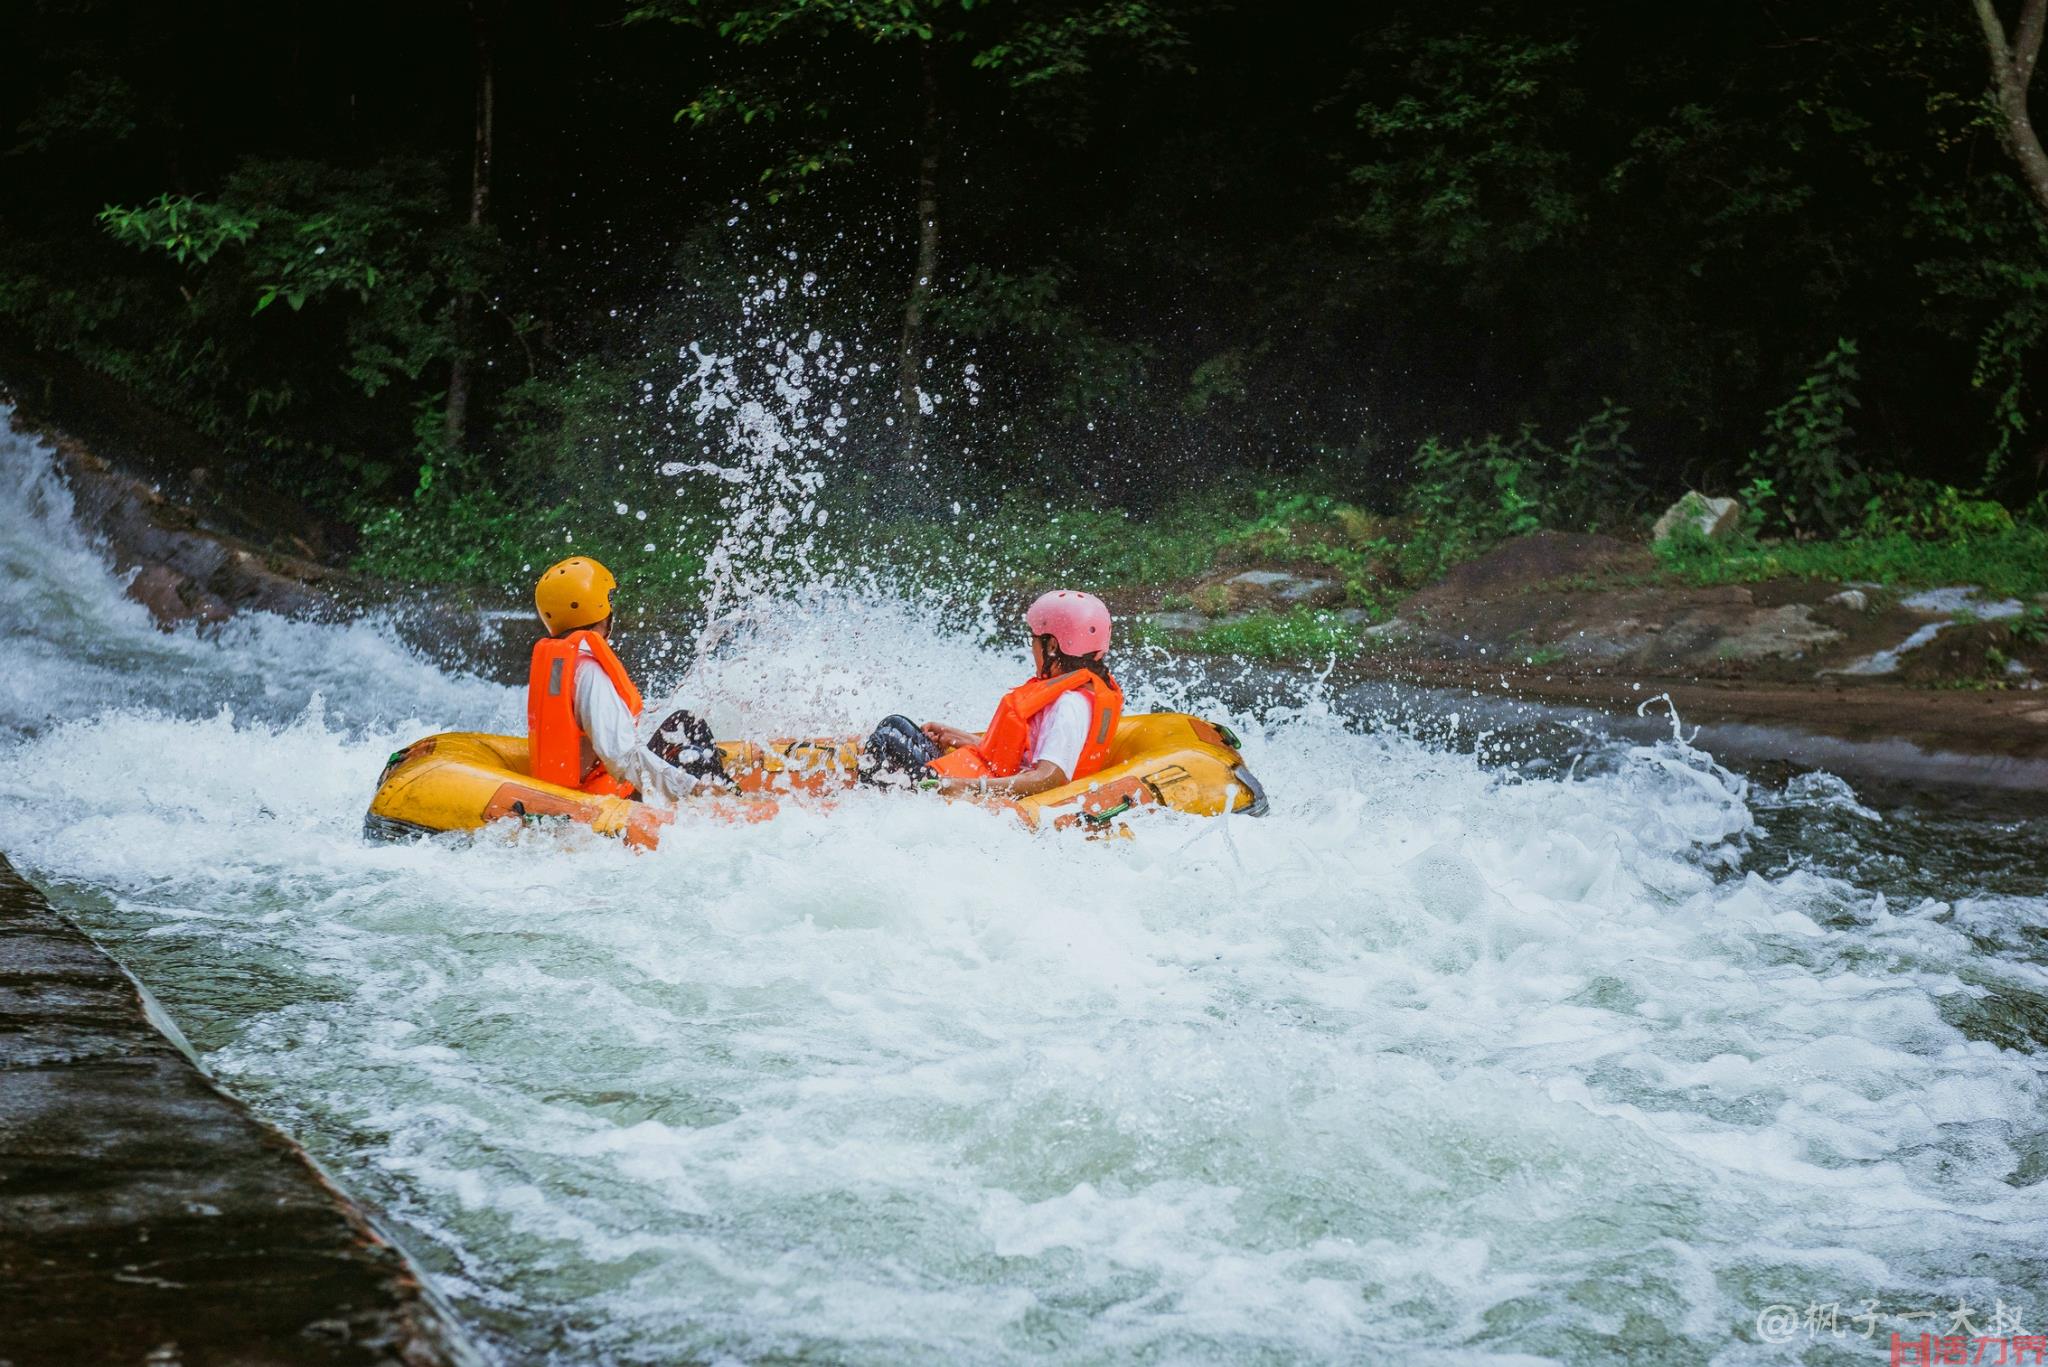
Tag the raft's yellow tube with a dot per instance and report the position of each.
(461, 781)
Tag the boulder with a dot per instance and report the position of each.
(1715, 517)
(1174, 621)
(1855, 600)
(1248, 591)
(1787, 632)
(1287, 588)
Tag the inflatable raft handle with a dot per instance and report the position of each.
(1107, 814)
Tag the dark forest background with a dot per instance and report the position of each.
(415, 264)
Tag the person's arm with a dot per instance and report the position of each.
(1041, 777)
(1054, 754)
(952, 737)
(602, 714)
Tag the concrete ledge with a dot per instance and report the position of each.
(145, 1215)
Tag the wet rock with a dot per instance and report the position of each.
(1250, 591)
(184, 572)
(146, 1216)
(1609, 641)
(1855, 600)
(1174, 621)
(1714, 517)
(1286, 588)
(172, 597)
(1310, 591)
(1787, 632)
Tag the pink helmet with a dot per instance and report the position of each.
(1077, 622)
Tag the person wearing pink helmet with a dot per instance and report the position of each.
(1052, 730)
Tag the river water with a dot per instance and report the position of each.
(1466, 1052)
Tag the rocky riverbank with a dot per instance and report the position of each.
(145, 1215)
(1588, 621)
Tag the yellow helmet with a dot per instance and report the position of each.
(575, 593)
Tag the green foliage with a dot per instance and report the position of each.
(174, 299)
(179, 225)
(1221, 380)
(1922, 508)
(307, 233)
(747, 25)
(1471, 166)
(1058, 45)
(1815, 480)
(1469, 497)
(465, 538)
(91, 111)
(1301, 634)
(788, 77)
(1990, 279)
(1026, 538)
(1295, 525)
(1474, 495)
(455, 528)
(2012, 562)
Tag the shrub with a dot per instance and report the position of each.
(1920, 507)
(1804, 476)
(1470, 497)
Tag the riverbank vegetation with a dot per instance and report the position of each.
(1114, 292)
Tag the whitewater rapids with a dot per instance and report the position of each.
(1441, 1061)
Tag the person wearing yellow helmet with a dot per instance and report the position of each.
(582, 709)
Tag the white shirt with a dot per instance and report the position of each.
(615, 739)
(1058, 733)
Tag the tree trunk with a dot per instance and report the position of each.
(455, 420)
(910, 356)
(2012, 71)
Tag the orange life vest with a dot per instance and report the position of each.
(1001, 751)
(557, 749)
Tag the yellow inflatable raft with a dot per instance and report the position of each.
(462, 781)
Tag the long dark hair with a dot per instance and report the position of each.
(1059, 662)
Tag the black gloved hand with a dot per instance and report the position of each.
(684, 740)
(899, 751)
